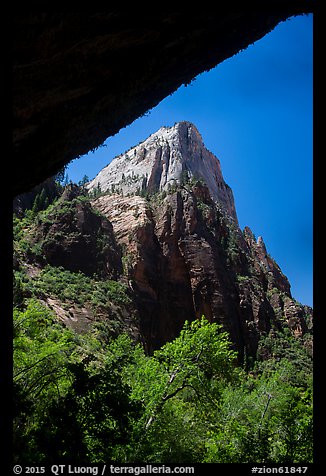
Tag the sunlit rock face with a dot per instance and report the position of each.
(170, 156)
(165, 226)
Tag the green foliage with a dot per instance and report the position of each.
(87, 399)
(184, 177)
(97, 408)
(83, 181)
(94, 398)
(178, 387)
(59, 209)
(96, 192)
(61, 176)
(20, 225)
(41, 201)
(41, 350)
(231, 244)
(77, 287)
(204, 208)
(264, 420)
(18, 291)
(268, 417)
(282, 347)
(67, 391)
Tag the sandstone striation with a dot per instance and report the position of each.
(184, 257)
(183, 251)
(161, 222)
(169, 157)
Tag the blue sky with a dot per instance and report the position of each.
(254, 112)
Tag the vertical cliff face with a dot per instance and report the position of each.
(184, 258)
(169, 157)
(184, 252)
(165, 226)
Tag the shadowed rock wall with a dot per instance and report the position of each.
(80, 77)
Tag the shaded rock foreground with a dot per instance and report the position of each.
(79, 77)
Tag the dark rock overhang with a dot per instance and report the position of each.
(81, 77)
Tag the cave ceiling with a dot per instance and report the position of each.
(78, 78)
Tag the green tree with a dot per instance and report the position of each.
(18, 291)
(36, 204)
(70, 401)
(83, 181)
(92, 398)
(61, 175)
(41, 349)
(93, 421)
(264, 419)
(41, 201)
(178, 387)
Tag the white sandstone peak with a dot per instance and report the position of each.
(165, 158)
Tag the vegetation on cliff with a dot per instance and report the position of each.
(95, 394)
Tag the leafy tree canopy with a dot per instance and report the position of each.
(84, 399)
